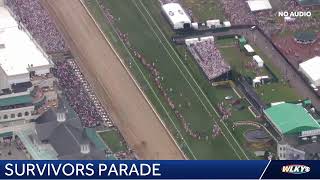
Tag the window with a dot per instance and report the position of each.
(5, 116)
(12, 116)
(26, 113)
(19, 114)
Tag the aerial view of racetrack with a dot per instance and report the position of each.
(160, 79)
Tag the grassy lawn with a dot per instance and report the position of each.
(113, 140)
(269, 93)
(183, 87)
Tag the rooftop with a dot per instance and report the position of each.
(176, 13)
(259, 5)
(311, 67)
(17, 50)
(291, 118)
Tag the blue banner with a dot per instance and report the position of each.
(159, 169)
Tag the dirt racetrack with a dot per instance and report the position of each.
(130, 111)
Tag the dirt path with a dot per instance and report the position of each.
(136, 120)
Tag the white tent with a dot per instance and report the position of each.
(248, 48)
(207, 38)
(258, 60)
(259, 5)
(311, 69)
(177, 16)
(226, 24)
(213, 23)
(191, 41)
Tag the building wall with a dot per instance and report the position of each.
(3, 79)
(24, 113)
(287, 152)
(1, 3)
(316, 83)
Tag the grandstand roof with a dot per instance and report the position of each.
(259, 5)
(15, 100)
(291, 118)
(17, 50)
(311, 69)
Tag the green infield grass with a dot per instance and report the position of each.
(186, 85)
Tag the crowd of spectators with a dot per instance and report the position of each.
(239, 13)
(79, 94)
(37, 21)
(297, 53)
(209, 58)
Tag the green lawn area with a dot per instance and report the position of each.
(180, 73)
(113, 140)
(269, 93)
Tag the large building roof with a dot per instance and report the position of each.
(176, 14)
(66, 137)
(259, 5)
(17, 50)
(291, 118)
(311, 68)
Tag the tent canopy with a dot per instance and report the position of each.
(259, 5)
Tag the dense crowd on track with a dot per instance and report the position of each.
(238, 12)
(209, 58)
(37, 21)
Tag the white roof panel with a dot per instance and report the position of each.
(19, 50)
(257, 59)
(259, 5)
(176, 13)
(248, 48)
(311, 67)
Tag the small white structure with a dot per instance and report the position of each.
(248, 48)
(226, 23)
(191, 41)
(258, 60)
(259, 80)
(288, 19)
(176, 15)
(259, 5)
(311, 69)
(195, 25)
(207, 38)
(213, 23)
